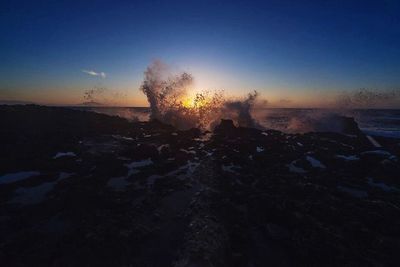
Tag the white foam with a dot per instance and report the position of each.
(188, 151)
(295, 169)
(315, 163)
(204, 137)
(230, 168)
(259, 149)
(348, 158)
(140, 163)
(64, 154)
(137, 164)
(116, 136)
(190, 167)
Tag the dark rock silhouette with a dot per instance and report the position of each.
(84, 189)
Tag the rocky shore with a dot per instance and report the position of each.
(79, 188)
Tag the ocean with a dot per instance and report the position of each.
(380, 122)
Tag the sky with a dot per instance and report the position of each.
(300, 53)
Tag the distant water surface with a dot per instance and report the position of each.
(382, 122)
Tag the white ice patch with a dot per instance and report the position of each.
(315, 163)
(382, 186)
(264, 133)
(17, 176)
(352, 191)
(347, 158)
(259, 149)
(64, 154)
(299, 144)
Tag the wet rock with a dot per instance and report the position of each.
(146, 194)
(338, 123)
(226, 127)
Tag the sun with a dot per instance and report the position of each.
(201, 100)
(188, 102)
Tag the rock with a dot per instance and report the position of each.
(338, 123)
(238, 197)
(226, 127)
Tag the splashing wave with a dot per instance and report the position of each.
(167, 95)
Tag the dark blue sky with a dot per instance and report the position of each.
(285, 49)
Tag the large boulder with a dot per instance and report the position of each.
(339, 124)
(226, 127)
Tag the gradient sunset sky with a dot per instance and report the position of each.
(298, 53)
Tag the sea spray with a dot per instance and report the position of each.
(240, 110)
(368, 98)
(167, 95)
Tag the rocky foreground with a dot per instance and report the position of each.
(84, 189)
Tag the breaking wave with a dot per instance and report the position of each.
(170, 101)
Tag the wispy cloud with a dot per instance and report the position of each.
(94, 73)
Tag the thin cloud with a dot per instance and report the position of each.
(93, 73)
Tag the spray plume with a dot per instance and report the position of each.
(368, 98)
(167, 96)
